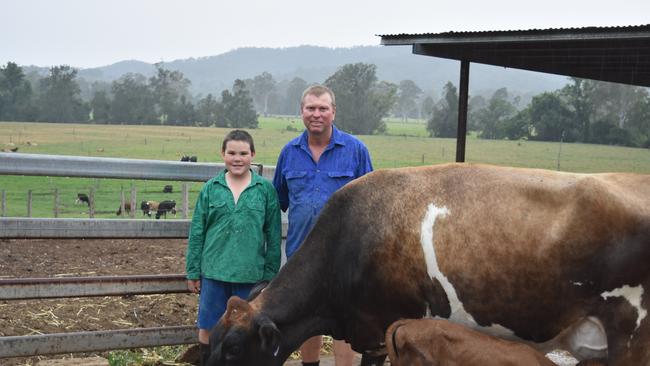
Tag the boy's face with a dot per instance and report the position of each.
(237, 157)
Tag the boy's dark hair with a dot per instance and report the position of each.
(238, 135)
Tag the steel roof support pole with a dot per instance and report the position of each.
(462, 111)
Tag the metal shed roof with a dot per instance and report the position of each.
(616, 54)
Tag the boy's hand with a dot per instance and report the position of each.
(194, 286)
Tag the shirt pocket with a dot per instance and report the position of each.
(341, 177)
(297, 184)
(217, 209)
(254, 205)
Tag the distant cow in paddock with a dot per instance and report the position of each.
(188, 158)
(82, 197)
(557, 260)
(164, 207)
(127, 208)
(168, 188)
(437, 342)
(148, 207)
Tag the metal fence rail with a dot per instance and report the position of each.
(92, 167)
(43, 288)
(26, 228)
(73, 342)
(48, 228)
(48, 288)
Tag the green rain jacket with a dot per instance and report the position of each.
(235, 243)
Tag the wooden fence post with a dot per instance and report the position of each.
(133, 199)
(91, 206)
(29, 203)
(122, 201)
(56, 203)
(186, 198)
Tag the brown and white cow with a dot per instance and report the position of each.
(438, 342)
(558, 260)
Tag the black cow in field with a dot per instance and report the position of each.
(164, 207)
(188, 158)
(82, 197)
(148, 207)
(168, 188)
(556, 260)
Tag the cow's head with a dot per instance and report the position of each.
(243, 337)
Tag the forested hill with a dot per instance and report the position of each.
(314, 64)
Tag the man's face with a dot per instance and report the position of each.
(318, 113)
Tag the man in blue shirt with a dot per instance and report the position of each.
(311, 167)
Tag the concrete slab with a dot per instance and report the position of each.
(324, 361)
(85, 361)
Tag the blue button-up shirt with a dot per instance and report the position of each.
(304, 186)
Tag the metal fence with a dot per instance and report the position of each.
(67, 228)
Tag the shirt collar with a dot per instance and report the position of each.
(337, 138)
(221, 178)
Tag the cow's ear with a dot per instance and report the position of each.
(269, 334)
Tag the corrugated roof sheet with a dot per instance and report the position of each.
(618, 53)
(535, 31)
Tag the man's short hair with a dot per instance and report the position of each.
(317, 90)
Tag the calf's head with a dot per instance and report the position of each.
(243, 337)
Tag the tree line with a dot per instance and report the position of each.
(585, 111)
(582, 111)
(162, 99)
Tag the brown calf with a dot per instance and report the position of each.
(437, 342)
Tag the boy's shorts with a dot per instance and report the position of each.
(213, 298)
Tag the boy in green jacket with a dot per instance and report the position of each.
(235, 235)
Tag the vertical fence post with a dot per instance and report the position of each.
(133, 199)
(122, 201)
(56, 203)
(4, 203)
(91, 206)
(186, 196)
(29, 203)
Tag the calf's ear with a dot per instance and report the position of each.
(269, 334)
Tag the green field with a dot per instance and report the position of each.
(404, 144)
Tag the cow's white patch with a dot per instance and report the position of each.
(633, 295)
(577, 283)
(458, 313)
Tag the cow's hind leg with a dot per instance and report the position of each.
(628, 328)
(368, 360)
(637, 348)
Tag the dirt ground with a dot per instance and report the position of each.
(95, 257)
(100, 257)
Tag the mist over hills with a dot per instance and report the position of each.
(213, 74)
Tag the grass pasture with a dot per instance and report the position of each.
(403, 144)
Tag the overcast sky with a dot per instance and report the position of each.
(90, 33)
